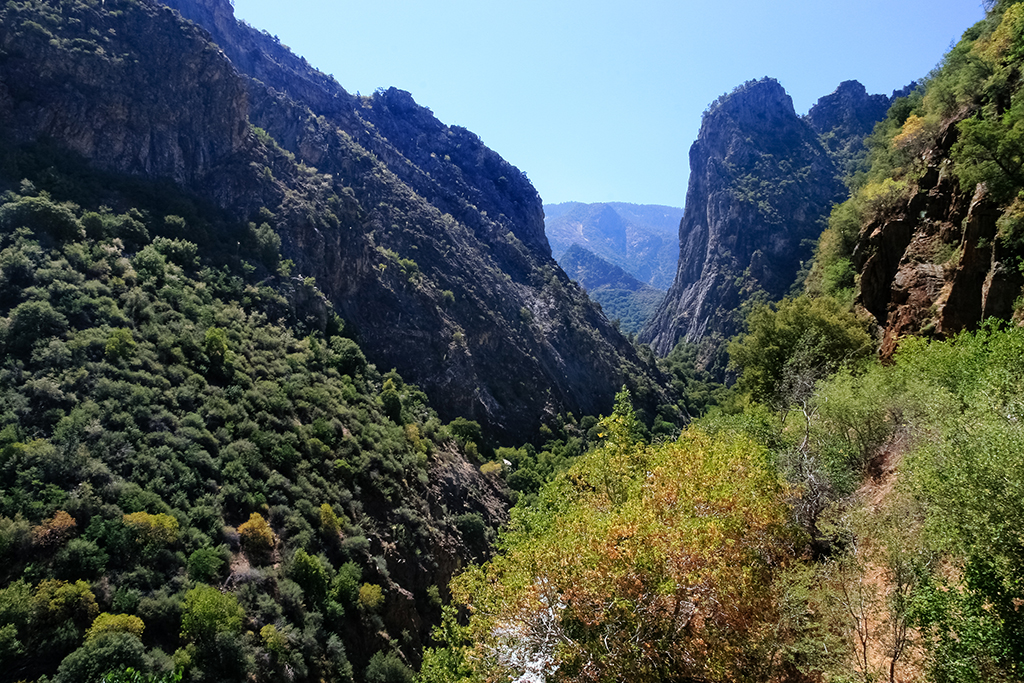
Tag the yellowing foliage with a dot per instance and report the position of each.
(665, 575)
(371, 596)
(256, 534)
(150, 529)
(55, 530)
(115, 623)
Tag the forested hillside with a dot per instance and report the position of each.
(171, 423)
(623, 298)
(406, 224)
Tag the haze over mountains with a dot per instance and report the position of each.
(641, 239)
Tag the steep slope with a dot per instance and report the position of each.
(429, 245)
(642, 239)
(931, 237)
(843, 118)
(760, 185)
(173, 427)
(622, 296)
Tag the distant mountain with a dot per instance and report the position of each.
(642, 239)
(622, 296)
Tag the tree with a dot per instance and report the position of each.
(209, 612)
(790, 346)
(257, 536)
(667, 575)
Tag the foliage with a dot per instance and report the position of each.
(159, 529)
(968, 477)
(115, 623)
(639, 563)
(147, 414)
(257, 536)
(208, 612)
(790, 346)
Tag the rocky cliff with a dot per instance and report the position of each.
(843, 118)
(933, 229)
(933, 263)
(428, 244)
(761, 183)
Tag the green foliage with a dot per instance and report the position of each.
(131, 675)
(115, 623)
(205, 565)
(371, 597)
(110, 651)
(307, 571)
(388, 668)
(208, 612)
(152, 403)
(968, 477)
(152, 530)
(790, 346)
(697, 389)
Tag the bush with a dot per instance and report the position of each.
(152, 530)
(256, 535)
(209, 612)
(371, 597)
(107, 623)
(105, 653)
(205, 565)
(388, 668)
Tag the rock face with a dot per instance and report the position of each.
(761, 183)
(178, 113)
(845, 117)
(429, 245)
(622, 296)
(642, 239)
(932, 264)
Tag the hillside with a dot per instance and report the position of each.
(928, 243)
(642, 239)
(405, 223)
(622, 296)
(840, 516)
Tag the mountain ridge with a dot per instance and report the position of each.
(642, 239)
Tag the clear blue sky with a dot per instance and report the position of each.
(600, 100)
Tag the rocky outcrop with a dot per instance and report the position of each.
(932, 265)
(843, 118)
(178, 113)
(761, 184)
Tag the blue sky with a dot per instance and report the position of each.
(600, 101)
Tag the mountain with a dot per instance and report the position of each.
(209, 462)
(642, 239)
(761, 183)
(845, 117)
(622, 296)
(929, 242)
(427, 243)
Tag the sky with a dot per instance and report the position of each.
(600, 101)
